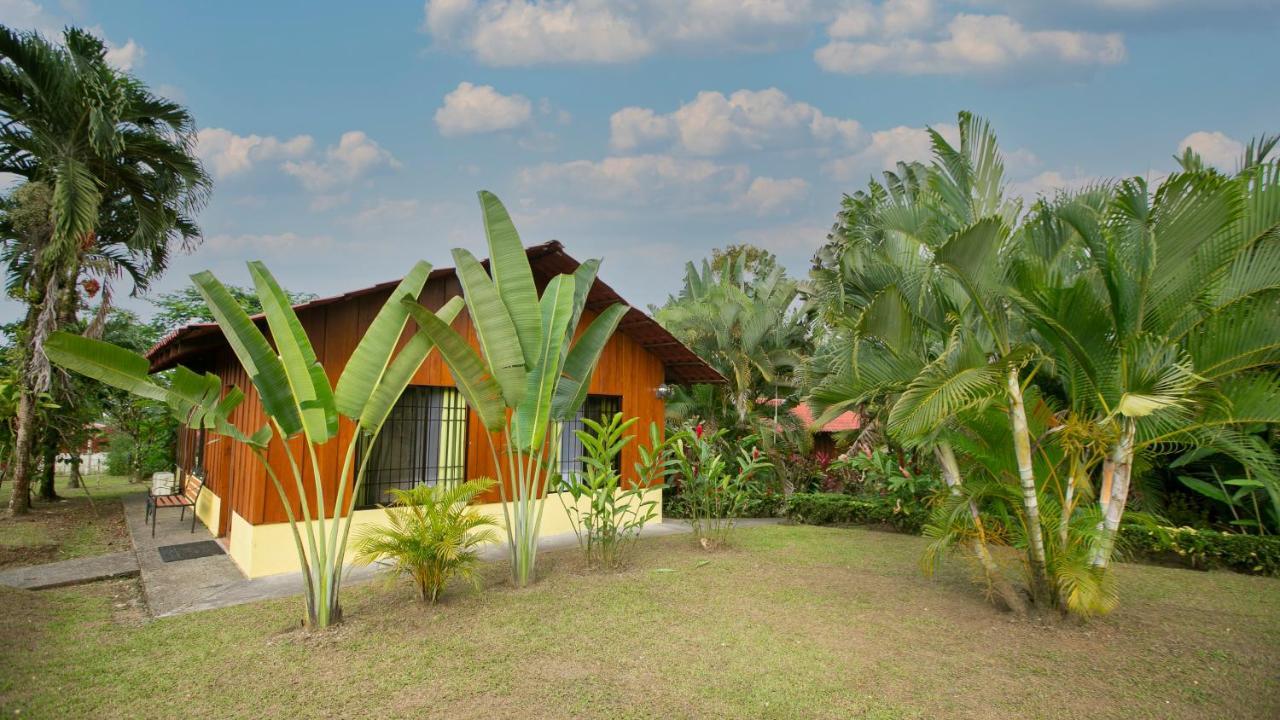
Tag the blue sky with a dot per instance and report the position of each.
(348, 139)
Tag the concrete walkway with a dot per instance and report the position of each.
(72, 572)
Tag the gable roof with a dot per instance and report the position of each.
(682, 366)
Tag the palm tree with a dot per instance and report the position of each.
(745, 325)
(115, 166)
(896, 350)
(1159, 312)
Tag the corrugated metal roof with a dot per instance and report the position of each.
(548, 259)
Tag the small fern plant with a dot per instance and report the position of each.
(433, 535)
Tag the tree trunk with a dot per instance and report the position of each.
(995, 578)
(1113, 506)
(73, 481)
(48, 471)
(1030, 501)
(20, 500)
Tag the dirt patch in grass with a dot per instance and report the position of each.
(791, 622)
(75, 526)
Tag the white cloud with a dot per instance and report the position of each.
(227, 153)
(127, 56)
(633, 127)
(765, 195)
(887, 148)
(266, 243)
(473, 109)
(891, 18)
(981, 44)
(639, 179)
(1049, 183)
(384, 211)
(355, 155)
(712, 124)
(526, 32)
(28, 15)
(1215, 148)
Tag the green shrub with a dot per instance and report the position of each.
(606, 515)
(433, 534)
(1203, 549)
(840, 509)
(713, 489)
(1187, 547)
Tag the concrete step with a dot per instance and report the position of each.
(72, 572)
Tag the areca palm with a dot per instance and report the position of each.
(1163, 325)
(745, 326)
(899, 346)
(121, 184)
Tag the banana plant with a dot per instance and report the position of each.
(529, 375)
(298, 401)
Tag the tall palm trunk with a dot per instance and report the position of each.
(995, 578)
(1113, 505)
(49, 467)
(20, 499)
(25, 420)
(1030, 500)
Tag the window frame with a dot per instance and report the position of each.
(410, 422)
(609, 405)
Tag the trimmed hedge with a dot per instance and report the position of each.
(1186, 547)
(1203, 549)
(840, 509)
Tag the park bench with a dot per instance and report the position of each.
(192, 485)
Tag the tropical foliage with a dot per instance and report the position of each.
(298, 400)
(433, 535)
(606, 515)
(110, 184)
(530, 374)
(715, 483)
(1042, 356)
(742, 318)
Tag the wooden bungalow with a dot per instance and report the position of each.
(430, 436)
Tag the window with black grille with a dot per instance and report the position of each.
(600, 408)
(424, 441)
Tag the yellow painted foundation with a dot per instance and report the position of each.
(260, 550)
(208, 505)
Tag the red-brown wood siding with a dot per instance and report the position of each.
(626, 369)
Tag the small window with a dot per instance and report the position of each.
(599, 408)
(423, 442)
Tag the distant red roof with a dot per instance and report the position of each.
(843, 422)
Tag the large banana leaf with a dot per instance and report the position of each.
(401, 371)
(581, 361)
(254, 352)
(534, 411)
(472, 378)
(497, 333)
(512, 275)
(369, 360)
(105, 363)
(583, 279)
(192, 396)
(307, 379)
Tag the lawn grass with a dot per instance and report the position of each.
(793, 621)
(69, 528)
